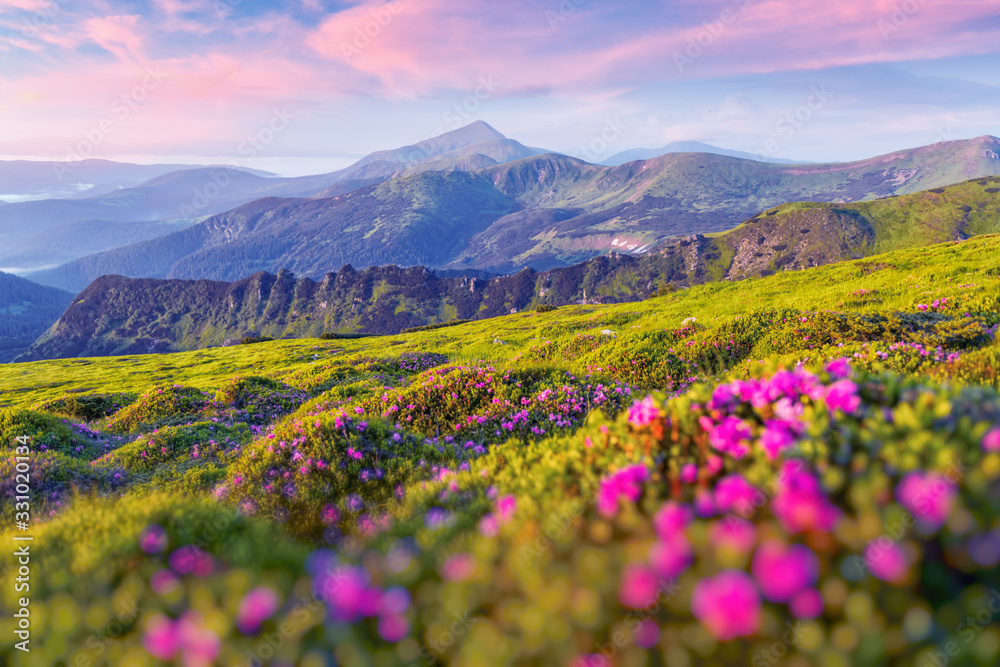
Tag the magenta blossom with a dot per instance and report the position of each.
(839, 369)
(991, 443)
(776, 438)
(807, 604)
(732, 436)
(843, 395)
(671, 558)
(782, 571)
(885, 559)
(161, 640)
(639, 587)
(733, 534)
(624, 483)
(671, 520)
(734, 492)
(644, 412)
(506, 506)
(728, 605)
(458, 567)
(153, 539)
(256, 607)
(929, 496)
(800, 504)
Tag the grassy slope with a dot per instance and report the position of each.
(909, 277)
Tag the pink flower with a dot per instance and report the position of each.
(733, 534)
(163, 582)
(885, 559)
(843, 395)
(728, 605)
(153, 539)
(200, 645)
(161, 639)
(929, 496)
(671, 520)
(644, 412)
(671, 558)
(458, 567)
(732, 437)
(506, 507)
(256, 607)
(639, 587)
(800, 503)
(776, 438)
(839, 368)
(647, 635)
(689, 473)
(735, 492)
(626, 482)
(489, 526)
(393, 628)
(782, 571)
(191, 560)
(991, 443)
(807, 604)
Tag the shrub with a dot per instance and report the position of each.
(49, 433)
(312, 472)
(484, 404)
(257, 400)
(545, 308)
(250, 340)
(90, 407)
(52, 478)
(164, 405)
(201, 442)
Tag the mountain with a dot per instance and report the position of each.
(118, 315)
(543, 211)
(472, 147)
(189, 195)
(26, 311)
(635, 154)
(24, 180)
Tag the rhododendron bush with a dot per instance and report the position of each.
(807, 515)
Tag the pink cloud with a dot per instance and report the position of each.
(116, 34)
(426, 45)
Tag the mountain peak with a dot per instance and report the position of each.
(479, 132)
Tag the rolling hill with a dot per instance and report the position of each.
(634, 154)
(543, 211)
(26, 311)
(118, 315)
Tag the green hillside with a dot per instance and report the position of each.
(513, 474)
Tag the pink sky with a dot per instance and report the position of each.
(561, 67)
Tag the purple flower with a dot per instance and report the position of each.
(839, 369)
(639, 587)
(256, 607)
(644, 412)
(800, 503)
(929, 496)
(776, 438)
(671, 520)
(782, 571)
(843, 395)
(735, 492)
(355, 503)
(885, 559)
(991, 443)
(626, 482)
(728, 605)
(732, 436)
(153, 539)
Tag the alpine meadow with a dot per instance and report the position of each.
(274, 393)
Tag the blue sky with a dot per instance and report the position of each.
(198, 77)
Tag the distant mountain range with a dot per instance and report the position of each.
(542, 211)
(686, 147)
(109, 216)
(26, 311)
(118, 315)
